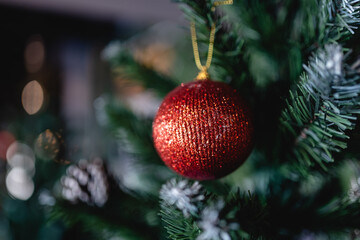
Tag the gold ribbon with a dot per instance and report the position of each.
(203, 74)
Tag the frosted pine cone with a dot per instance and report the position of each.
(354, 192)
(183, 195)
(86, 182)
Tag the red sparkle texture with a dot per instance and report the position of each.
(203, 130)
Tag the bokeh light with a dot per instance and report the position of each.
(46, 198)
(19, 184)
(6, 139)
(34, 55)
(22, 156)
(47, 145)
(32, 97)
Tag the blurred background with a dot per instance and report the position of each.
(52, 77)
(80, 82)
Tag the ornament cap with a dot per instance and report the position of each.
(203, 74)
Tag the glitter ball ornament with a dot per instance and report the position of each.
(203, 130)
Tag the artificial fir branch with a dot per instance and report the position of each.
(290, 209)
(177, 225)
(344, 17)
(295, 208)
(180, 202)
(323, 107)
(190, 212)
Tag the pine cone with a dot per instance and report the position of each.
(354, 191)
(86, 182)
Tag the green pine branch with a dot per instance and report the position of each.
(177, 226)
(285, 211)
(322, 109)
(303, 205)
(190, 212)
(343, 19)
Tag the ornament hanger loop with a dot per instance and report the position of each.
(203, 68)
(196, 49)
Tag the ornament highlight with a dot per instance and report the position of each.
(203, 130)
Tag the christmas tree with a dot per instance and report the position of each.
(263, 144)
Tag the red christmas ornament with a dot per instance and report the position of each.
(203, 130)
